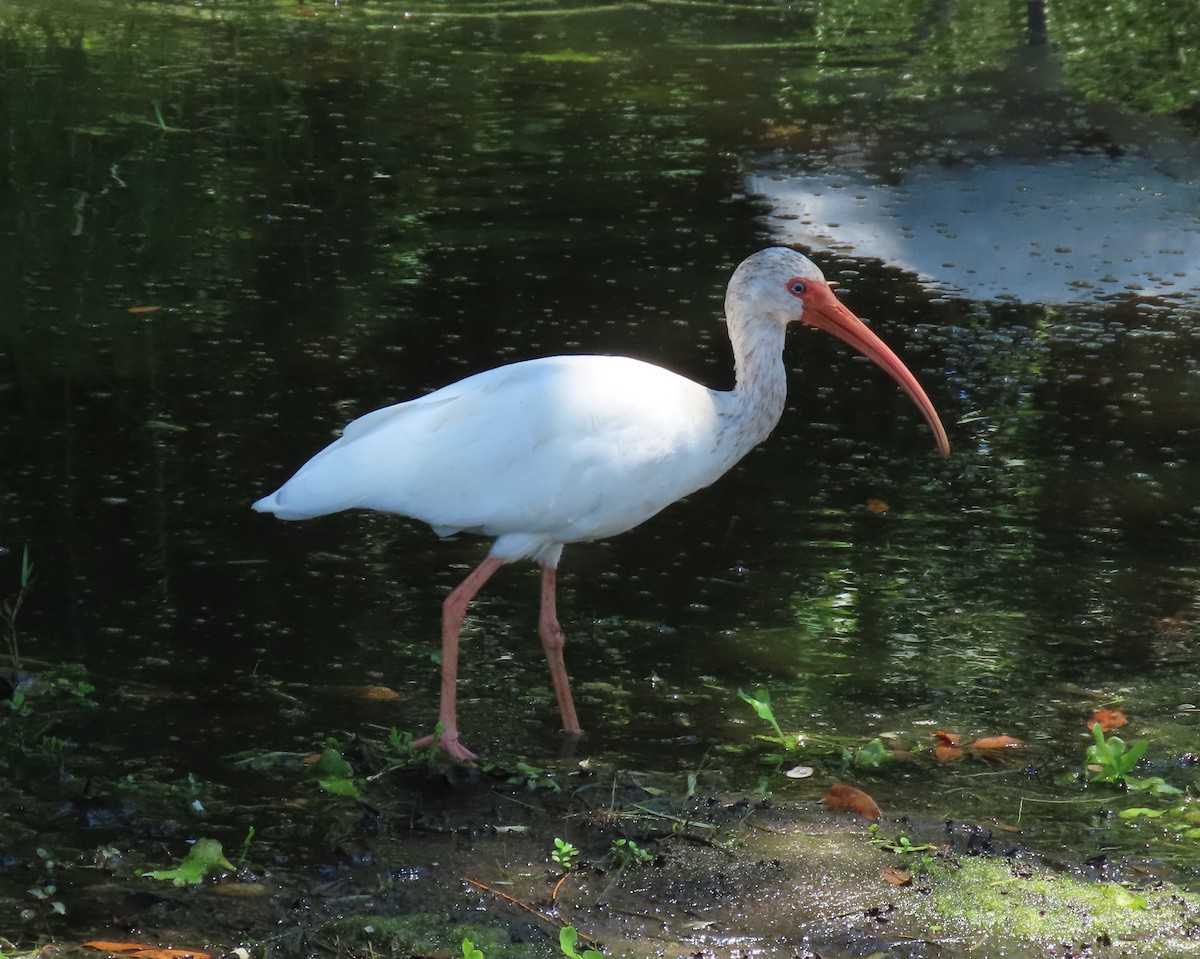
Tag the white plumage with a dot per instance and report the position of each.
(573, 448)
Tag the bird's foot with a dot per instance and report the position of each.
(448, 744)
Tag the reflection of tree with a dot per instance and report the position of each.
(1140, 54)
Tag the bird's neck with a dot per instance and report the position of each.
(760, 391)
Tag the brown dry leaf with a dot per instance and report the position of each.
(948, 739)
(944, 753)
(367, 693)
(876, 505)
(144, 309)
(897, 877)
(1107, 719)
(137, 950)
(843, 798)
(997, 742)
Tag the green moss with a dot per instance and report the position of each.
(1014, 902)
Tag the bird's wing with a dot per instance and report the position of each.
(571, 447)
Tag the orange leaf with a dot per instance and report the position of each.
(944, 753)
(843, 798)
(997, 742)
(137, 950)
(366, 693)
(876, 505)
(897, 877)
(144, 309)
(1107, 719)
(948, 739)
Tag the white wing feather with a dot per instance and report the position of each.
(558, 450)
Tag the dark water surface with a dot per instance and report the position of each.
(332, 208)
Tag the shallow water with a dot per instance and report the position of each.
(226, 230)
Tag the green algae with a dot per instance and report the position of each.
(1014, 905)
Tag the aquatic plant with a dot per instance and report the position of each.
(760, 702)
(568, 940)
(11, 608)
(626, 852)
(1111, 759)
(564, 854)
(205, 858)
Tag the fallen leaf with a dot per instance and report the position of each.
(997, 742)
(897, 877)
(876, 505)
(799, 772)
(144, 309)
(944, 753)
(367, 693)
(1107, 719)
(138, 950)
(843, 798)
(949, 739)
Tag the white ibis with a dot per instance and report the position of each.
(567, 449)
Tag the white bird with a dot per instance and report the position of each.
(567, 449)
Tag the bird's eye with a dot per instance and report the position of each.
(796, 286)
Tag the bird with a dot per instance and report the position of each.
(565, 449)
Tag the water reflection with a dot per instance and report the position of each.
(1067, 230)
(1029, 194)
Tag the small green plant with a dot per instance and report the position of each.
(564, 854)
(1180, 822)
(54, 748)
(45, 895)
(871, 756)
(80, 689)
(626, 852)
(205, 858)
(916, 855)
(901, 844)
(1111, 759)
(760, 702)
(568, 939)
(11, 609)
(245, 846)
(333, 773)
(522, 774)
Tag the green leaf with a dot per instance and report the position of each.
(205, 858)
(760, 702)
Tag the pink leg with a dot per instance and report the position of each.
(553, 642)
(454, 611)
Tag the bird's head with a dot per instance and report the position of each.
(785, 286)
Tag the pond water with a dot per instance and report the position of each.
(226, 229)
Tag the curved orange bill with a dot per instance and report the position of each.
(826, 312)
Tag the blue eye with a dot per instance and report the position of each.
(797, 287)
